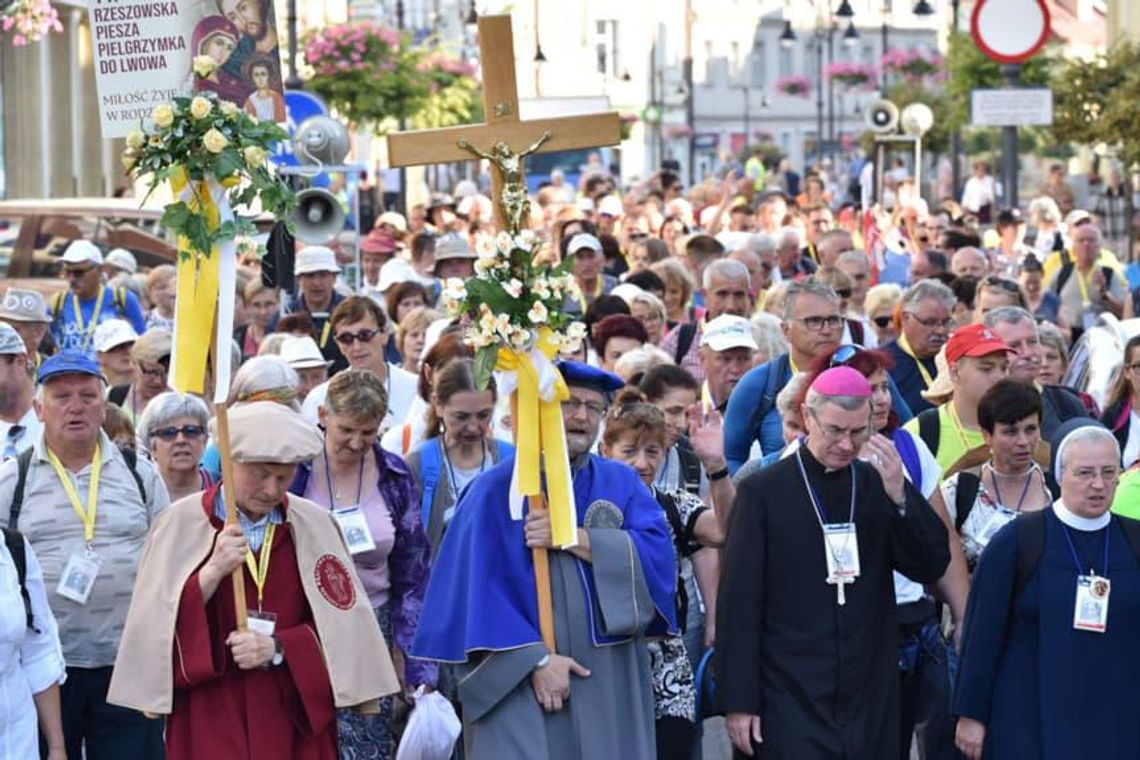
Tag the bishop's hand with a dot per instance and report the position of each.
(970, 737)
(744, 731)
(883, 457)
(551, 681)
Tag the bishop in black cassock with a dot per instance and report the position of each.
(806, 667)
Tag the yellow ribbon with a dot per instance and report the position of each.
(87, 515)
(541, 438)
(259, 571)
(197, 292)
(906, 349)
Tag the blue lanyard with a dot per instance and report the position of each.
(328, 479)
(997, 491)
(815, 497)
(1077, 559)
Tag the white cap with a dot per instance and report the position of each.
(584, 240)
(626, 292)
(728, 331)
(395, 219)
(316, 258)
(302, 352)
(112, 333)
(10, 341)
(82, 252)
(395, 271)
(611, 206)
(465, 188)
(123, 259)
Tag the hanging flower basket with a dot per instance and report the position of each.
(453, 87)
(853, 76)
(627, 121)
(367, 72)
(795, 85)
(914, 65)
(678, 131)
(29, 21)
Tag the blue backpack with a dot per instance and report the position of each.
(431, 460)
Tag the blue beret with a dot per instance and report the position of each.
(577, 373)
(68, 363)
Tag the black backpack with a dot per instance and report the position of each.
(14, 540)
(24, 461)
(930, 429)
(1067, 270)
(1031, 544)
(685, 338)
(690, 468)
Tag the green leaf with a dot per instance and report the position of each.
(485, 359)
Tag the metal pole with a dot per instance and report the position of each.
(819, 97)
(689, 94)
(403, 195)
(831, 96)
(956, 133)
(293, 82)
(1011, 72)
(747, 126)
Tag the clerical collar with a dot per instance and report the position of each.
(1076, 522)
(816, 466)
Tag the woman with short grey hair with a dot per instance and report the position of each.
(173, 429)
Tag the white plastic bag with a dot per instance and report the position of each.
(433, 727)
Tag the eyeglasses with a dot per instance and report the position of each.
(843, 292)
(154, 373)
(364, 336)
(1108, 474)
(932, 322)
(76, 272)
(815, 324)
(831, 432)
(572, 405)
(882, 322)
(189, 432)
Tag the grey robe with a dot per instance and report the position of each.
(610, 712)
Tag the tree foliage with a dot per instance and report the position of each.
(1098, 101)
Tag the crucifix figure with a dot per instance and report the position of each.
(513, 196)
(502, 130)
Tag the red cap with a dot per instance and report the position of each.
(974, 340)
(378, 241)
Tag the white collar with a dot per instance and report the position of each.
(1076, 522)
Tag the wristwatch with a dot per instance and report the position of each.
(278, 652)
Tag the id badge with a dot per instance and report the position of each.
(1000, 517)
(264, 623)
(842, 552)
(1088, 319)
(355, 530)
(1090, 611)
(79, 574)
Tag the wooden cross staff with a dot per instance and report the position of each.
(501, 106)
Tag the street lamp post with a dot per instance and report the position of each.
(747, 118)
(819, 97)
(293, 82)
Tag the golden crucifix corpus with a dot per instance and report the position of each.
(505, 140)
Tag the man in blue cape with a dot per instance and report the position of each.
(593, 697)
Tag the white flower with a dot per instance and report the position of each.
(163, 115)
(538, 313)
(571, 339)
(254, 156)
(200, 107)
(214, 141)
(479, 337)
(227, 108)
(503, 326)
(204, 65)
(520, 336)
(514, 288)
(454, 289)
(484, 265)
(503, 243)
(541, 288)
(135, 139)
(525, 240)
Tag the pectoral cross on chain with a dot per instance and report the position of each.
(840, 593)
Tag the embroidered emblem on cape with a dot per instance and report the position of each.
(334, 582)
(603, 514)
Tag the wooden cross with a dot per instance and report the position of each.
(501, 109)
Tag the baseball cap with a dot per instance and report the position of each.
(11, 342)
(394, 272)
(395, 219)
(611, 206)
(68, 363)
(728, 331)
(112, 333)
(302, 352)
(1008, 216)
(24, 305)
(378, 241)
(316, 258)
(580, 241)
(974, 341)
(1077, 217)
(123, 259)
(82, 252)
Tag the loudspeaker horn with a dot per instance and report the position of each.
(916, 119)
(882, 117)
(321, 140)
(319, 216)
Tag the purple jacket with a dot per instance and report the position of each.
(408, 567)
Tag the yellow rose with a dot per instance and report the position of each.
(163, 115)
(227, 108)
(128, 159)
(215, 141)
(200, 107)
(135, 139)
(254, 156)
(204, 65)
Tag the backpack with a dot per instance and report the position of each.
(908, 453)
(430, 462)
(118, 395)
(24, 461)
(772, 388)
(964, 497)
(57, 300)
(690, 468)
(1031, 544)
(685, 338)
(930, 429)
(673, 515)
(14, 540)
(1067, 271)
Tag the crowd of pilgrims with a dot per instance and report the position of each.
(888, 516)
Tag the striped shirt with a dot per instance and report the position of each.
(254, 530)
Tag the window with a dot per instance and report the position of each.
(756, 67)
(605, 46)
(785, 61)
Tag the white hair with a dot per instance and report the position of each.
(167, 406)
(788, 232)
(639, 361)
(726, 269)
(1007, 315)
(769, 335)
(263, 374)
(789, 392)
(1045, 209)
(924, 289)
(1090, 432)
(761, 242)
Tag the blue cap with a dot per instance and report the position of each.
(68, 363)
(577, 373)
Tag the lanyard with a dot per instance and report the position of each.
(812, 254)
(1083, 284)
(706, 397)
(904, 344)
(328, 480)
(815, 499)
(997, 491)
(325, 332)
(1077, 559)
(953, 413)
(451, 468)
(87, 331)
(259, 569)
(792, 364)
(86, 515)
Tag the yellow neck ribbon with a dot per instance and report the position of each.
(958, 428)
(86, 332)
(87, 515)
(259, 568)
(906, 349)
(325, 332)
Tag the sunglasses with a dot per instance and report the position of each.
(844, 354)
(882, 322)
(843, 292)
(189, 432)
(993, 281)
(70, 272)
(364, 336)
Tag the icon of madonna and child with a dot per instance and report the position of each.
(243, 42)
